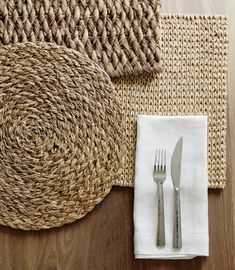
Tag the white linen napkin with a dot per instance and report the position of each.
(164, 132)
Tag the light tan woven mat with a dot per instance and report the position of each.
(193, 81)
(122, 36)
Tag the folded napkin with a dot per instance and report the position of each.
(163, 132)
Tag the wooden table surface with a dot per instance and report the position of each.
(104, 238)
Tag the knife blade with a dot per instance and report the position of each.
(175, 175)
(176, 163)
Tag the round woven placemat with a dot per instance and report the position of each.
(60, 135)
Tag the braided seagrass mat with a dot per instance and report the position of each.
(60, 135)
(193, 82)
(121, 35)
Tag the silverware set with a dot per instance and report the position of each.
(159, 176)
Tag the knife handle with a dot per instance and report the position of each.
(161, 218)
(177, 241)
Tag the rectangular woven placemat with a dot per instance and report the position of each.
(194, 81)
(121, 36)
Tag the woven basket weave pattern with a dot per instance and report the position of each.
(61, 135)
(193, 81)
(121, 35)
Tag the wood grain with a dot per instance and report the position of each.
(230, 10)
(194, 7)
(104, 238)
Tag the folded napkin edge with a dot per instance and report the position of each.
(171, 116)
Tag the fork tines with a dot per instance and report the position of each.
(160, 159)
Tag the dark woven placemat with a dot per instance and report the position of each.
(121, 36)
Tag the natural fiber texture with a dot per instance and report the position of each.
(194, 81)
(60, 135)
(122, 36)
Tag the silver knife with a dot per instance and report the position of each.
(175, 175)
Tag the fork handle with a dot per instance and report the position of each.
(177, 241)
(161, 219)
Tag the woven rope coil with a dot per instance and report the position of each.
(60, 135)
(193, 82)
(122, 36)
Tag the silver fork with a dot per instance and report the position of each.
(159, 176)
